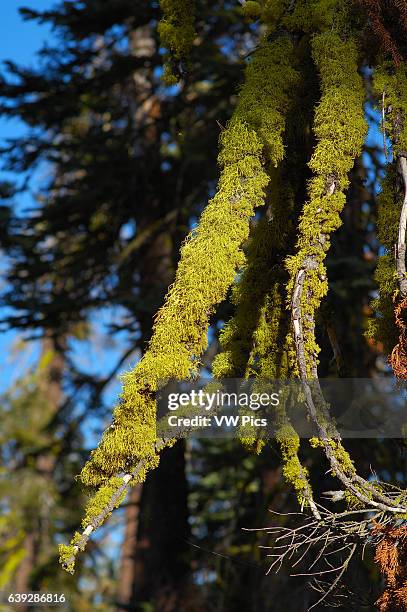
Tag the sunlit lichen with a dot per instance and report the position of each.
(177, 33)
(340, 129)
(390, 87)
(210, 258)
(293, 470)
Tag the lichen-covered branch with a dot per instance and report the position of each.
(254, 340)
(210, 259)
(389, 324)
(177, 33)
(114, 493)
(398, 358)
(382, 326)
(340, 129)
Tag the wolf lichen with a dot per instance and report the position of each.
(245, 336)
(269, 12)
(390, 87)
(112, 490)
(340, 129)
(210, 258)
(293, 470)
(257, 295)
(177, 33)
(317, 15)
(382, 326)
(99, 501)
(252, 9)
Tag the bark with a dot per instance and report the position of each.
(401, 242)
(161, 559)
(128, 570)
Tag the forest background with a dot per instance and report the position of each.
(105, 170)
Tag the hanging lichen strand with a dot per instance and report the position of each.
(253, 295)
(340, 130)
(389, 326)
(254, 341)
(177, 33)
(210, 259)
(382, 327)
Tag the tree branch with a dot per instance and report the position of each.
(401, 242)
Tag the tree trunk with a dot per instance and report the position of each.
(161, 560)
(25, 569)
(153, 564)
(128, 572)
(37, 540)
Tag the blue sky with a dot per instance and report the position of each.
(20, 39)
(19, 42)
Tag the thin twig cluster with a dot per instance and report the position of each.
(323, 549)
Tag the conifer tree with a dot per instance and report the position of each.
(251, 143)
(288, 164)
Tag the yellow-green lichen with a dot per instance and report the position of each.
(252, 444)
(293, 470)
(318, 15)
(177, 33)
(68, 552)
(101, 499)
(352, 501)
(343, 457)
(316, 442)
(340, 129)
(251, 9)
(67, 557)
(252, 340)
(390, 87)
(210, 257)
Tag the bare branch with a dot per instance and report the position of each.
(337, 580)
(401, 242)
